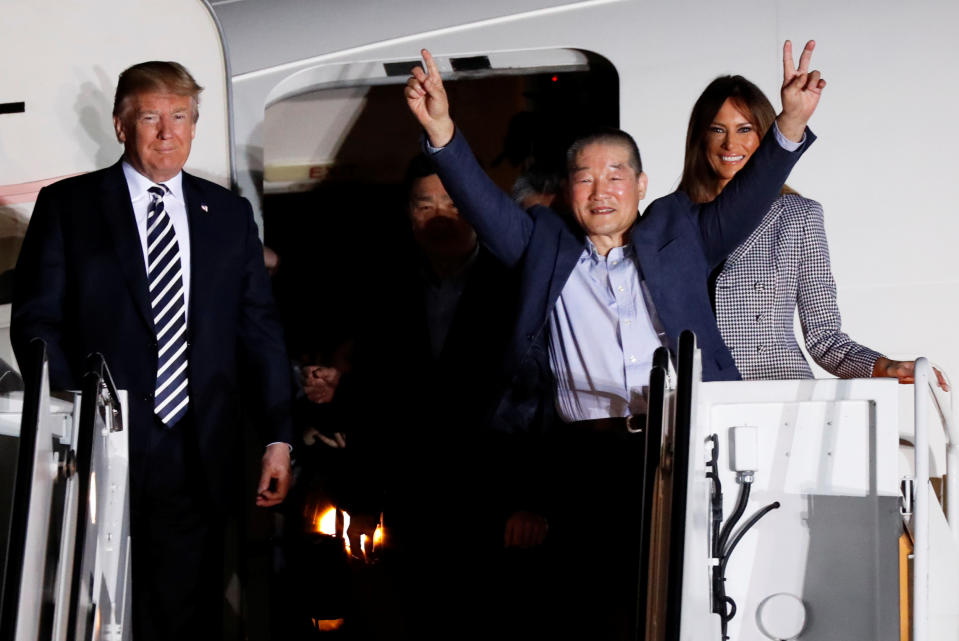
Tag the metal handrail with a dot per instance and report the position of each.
(35, 377)
(928, 392)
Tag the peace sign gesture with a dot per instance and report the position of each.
(800, 92)
(426, 98)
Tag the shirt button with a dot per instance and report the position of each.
(615, 262)
(760, 348)
(758, 286)
(620, 289)
(632, 359)
(627, 322)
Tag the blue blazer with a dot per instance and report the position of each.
(81, 285)
(677, 244)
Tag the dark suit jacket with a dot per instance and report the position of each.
(459, 382)
(677, 244)
(81, 285)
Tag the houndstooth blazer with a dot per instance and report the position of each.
(785, 263)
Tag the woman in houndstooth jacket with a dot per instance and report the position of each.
(782, 265)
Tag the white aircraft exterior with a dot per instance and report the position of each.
(883, 167)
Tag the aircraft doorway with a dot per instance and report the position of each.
(358, 291)
(335, 159)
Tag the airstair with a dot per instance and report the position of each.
(772, 509)
(781, 510)
(66, 566)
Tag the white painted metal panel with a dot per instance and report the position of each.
(828, 454)
(943, 575)
(882, 166)
(63, 60)
(283, 31)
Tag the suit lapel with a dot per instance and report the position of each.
(646, 247)
(774, 213)
(199, 218)
(569, 249)
(117, 209)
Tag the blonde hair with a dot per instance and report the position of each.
(155, 76)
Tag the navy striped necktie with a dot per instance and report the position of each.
(165, 273)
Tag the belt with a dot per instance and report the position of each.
(614, 424)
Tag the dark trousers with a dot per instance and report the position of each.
(176, 543)
(594, 523)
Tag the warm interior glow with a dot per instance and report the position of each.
(325, 523)
(378, 536)
(327, 625)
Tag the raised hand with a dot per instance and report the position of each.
(800, 93)
(426, 98)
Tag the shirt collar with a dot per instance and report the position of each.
(139, 184)
(590, 253)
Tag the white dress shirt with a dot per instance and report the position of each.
(175, 206)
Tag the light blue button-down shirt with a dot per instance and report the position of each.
(602, 337)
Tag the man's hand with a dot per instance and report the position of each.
(320, 383)
(337, 440)
(904, 371)
(524, 530)
(275, 475)
(426, 98)
(800, 92)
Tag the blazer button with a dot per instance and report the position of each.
(758, 286)
(154, 344)
(529, 337)
(760, 317)
(148, 397)
(760, 348)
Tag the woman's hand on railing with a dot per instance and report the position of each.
(904, 371)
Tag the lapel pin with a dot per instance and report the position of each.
(205, 208)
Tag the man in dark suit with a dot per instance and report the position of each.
(600, 291)
(163, 274)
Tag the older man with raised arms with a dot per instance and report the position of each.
(599, 295)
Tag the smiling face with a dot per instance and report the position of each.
(730, 141)
(157, 131)
(605, 191)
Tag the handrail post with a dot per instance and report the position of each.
(920, 601)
